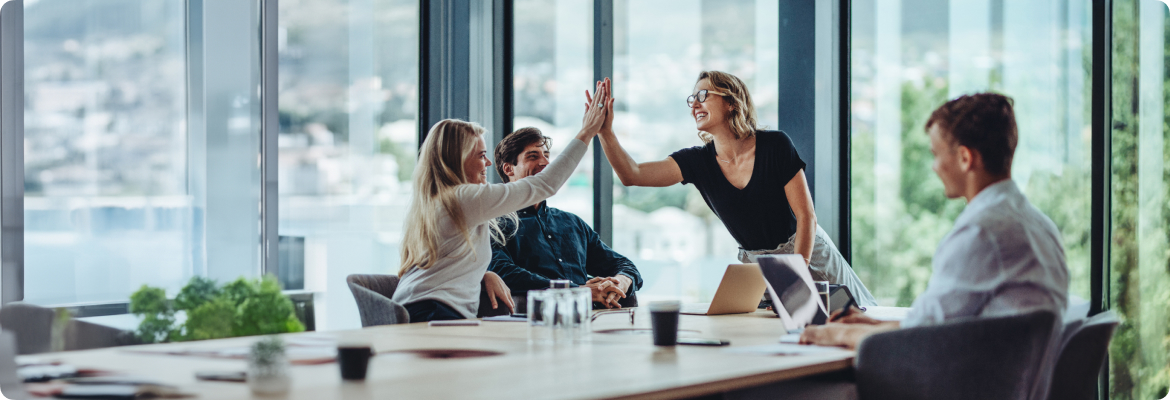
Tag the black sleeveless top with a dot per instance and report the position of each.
(758, 216)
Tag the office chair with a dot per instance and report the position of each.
(32, 327)
(977, 358)
(1082, 355)
(372, 294)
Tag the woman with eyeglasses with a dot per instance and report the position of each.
(752, 179)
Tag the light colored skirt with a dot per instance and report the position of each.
(826, 264)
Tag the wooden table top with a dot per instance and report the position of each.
(599, 366)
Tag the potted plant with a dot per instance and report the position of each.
(268, 367)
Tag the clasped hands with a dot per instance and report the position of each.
(608, 290)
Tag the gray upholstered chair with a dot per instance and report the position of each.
(373, 294)
(32, 325)
(1082, 355)
(979, 358)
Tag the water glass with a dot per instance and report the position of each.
(583, 305)
(823, 291)
(537, 301)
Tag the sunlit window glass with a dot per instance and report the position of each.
(1141, 189)
(140, 157)
(660, 46)
(911, 56)
(553, 69)
(348, 143)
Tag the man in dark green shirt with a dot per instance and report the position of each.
(551, 243)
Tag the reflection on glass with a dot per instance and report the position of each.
(909, 57)
(348, 141)
(660, 46)
(553, 67)
(140, 164)
(1141, 122)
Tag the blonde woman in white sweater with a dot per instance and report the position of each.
(446, 248)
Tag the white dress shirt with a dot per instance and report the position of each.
(1003, 257)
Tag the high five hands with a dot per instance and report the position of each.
(598, 111)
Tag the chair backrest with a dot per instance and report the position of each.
(372, 294)
(32, 325)
(1082, 356)
(83, 335)
(977, 358)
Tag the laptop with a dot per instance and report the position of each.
(790, 287)
(739, 292)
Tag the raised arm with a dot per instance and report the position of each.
(485, 202)
(630, 172)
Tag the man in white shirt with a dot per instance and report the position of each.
(1003, 256)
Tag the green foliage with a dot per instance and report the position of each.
(148, 300)
(265, 311)
(197, 292)
(1139, 264)
(267, 350)
(157, 316)
(211, 320)
(240, 308)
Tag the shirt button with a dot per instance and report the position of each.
(560, 260)
(550, 236)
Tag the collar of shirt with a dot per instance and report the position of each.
(534, 210)
(990, 196)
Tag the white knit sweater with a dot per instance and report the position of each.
(454, 278)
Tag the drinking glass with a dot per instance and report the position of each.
(823, 292)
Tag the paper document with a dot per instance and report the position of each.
(785, 349)
(790, 338)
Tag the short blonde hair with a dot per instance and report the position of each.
(743, 111)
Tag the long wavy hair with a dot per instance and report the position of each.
(743, 112)
(439, 171)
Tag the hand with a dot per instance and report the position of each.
(606, 291)
(607, 126)
(497, 289)
(843, 335)
(853, 316)
(594, 114)
(622, 283)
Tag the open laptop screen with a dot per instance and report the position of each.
(791, 289)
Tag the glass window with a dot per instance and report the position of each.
(553, 67)
(911, 56)
(660, 46)
(1140, 286)
(140, 163)
(348, 143)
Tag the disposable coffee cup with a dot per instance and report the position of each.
(354, 360)
(664, 321)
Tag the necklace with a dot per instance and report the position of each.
(722, 160)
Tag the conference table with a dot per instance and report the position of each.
(521, 362)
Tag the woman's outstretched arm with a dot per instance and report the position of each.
(630, 172)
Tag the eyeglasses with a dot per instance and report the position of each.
(701, 96)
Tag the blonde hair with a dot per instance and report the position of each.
(439, 171)
(743, 112)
